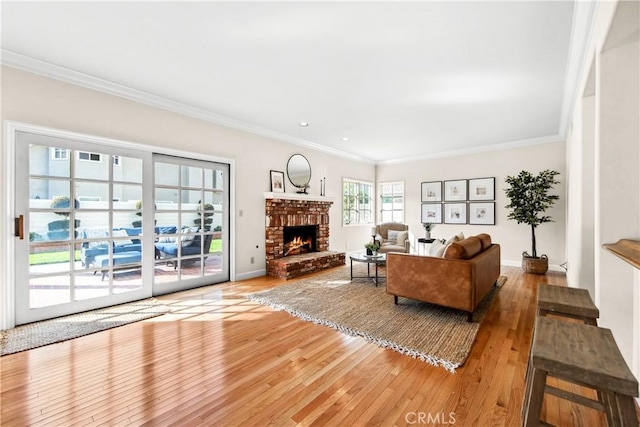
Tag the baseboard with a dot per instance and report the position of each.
(552, 267)
(251, 274)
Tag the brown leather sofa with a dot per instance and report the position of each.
(459, 280)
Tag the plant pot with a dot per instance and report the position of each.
(535, 265)
(369, 252)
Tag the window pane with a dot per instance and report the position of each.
(58, 291)
(191, 200)
(91, 166)
(191, 176)
(126, 196)
(166, 174)
(129, 170)
(92, 195)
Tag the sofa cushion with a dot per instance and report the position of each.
(392, 236)
(485, 240)
(464, 249)
(121, 242)
(96, 233)
(454, 238)
(166, 230)
(401, 237)
(437, 249)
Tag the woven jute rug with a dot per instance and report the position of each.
(436, 335)
(50, 331)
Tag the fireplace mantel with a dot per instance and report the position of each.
(296, 196)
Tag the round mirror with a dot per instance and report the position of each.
(299, 172)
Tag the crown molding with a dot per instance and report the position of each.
(46, 69)
(482, 149)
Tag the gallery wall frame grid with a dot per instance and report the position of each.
(455, 190)
(455, 213)
(459, 201)
(431, 212)
(431, 191)
(482, 189)
(482, 213)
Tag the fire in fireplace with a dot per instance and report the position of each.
(299, 240)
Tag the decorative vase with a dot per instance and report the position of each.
(427, 235)
(535, 265)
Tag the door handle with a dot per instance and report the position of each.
(19, 232)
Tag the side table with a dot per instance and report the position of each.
(423, 249)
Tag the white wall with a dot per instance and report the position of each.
(513, 238)
(608, 113)
(38, 100)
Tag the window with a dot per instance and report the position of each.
(392, 202)
(59, 153)
(357, 202)
(93, 157)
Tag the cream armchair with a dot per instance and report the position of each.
(393, 237)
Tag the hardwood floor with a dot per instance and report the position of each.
(222, 360)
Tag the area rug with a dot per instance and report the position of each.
(50, 331)
(436, 335)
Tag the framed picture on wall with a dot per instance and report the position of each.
(482, 189)
(431, 212)
(455, 190)
(483, 213)
(455, 213)
(277, 182)
(431, 191)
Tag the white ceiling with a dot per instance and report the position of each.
(400, 80)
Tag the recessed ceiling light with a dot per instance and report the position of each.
(344, 138)
(303, 124)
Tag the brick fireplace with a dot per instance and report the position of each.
(297, 210)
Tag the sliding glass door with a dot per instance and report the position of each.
(191, 220)
(103, 224)
(75, 203)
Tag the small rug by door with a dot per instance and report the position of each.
(436, 335)
(37, 334)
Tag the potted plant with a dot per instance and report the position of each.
(428, 226)
(372, 248)
(529, 198)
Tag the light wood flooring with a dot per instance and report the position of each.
(221, 360)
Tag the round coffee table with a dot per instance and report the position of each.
(376, 260)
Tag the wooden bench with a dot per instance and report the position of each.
(569, 302)
(581, 354)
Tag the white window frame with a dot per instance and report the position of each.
(393, 195)
(358, 209)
